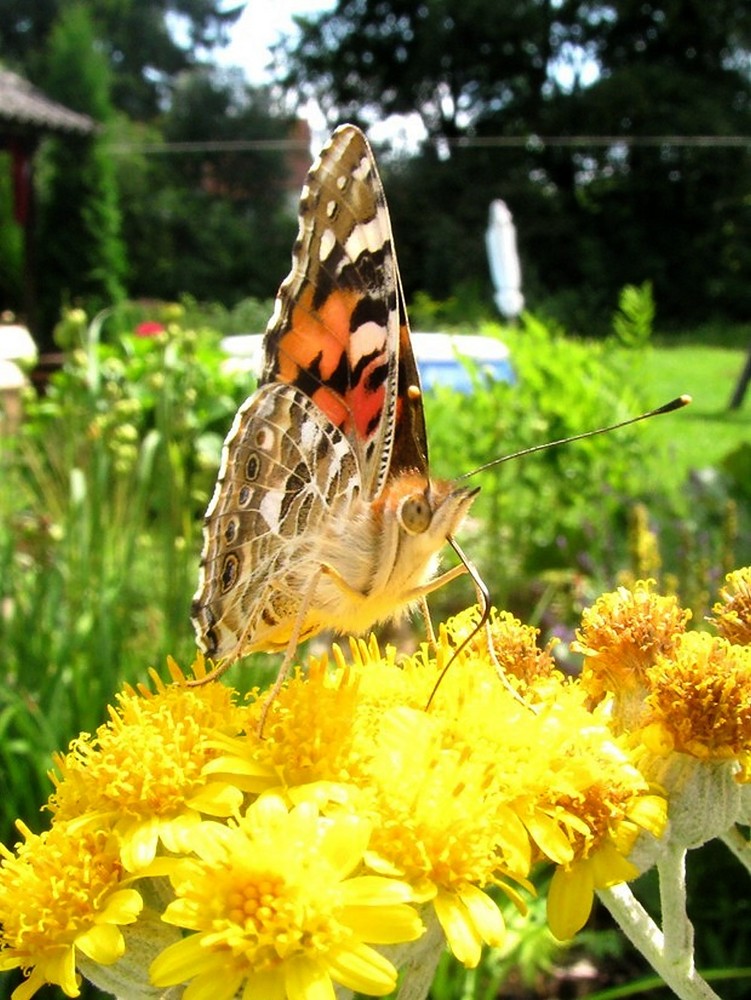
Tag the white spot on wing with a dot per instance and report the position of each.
(276, 315)
(309, 436)
(328, 242)
(270, 509)
(369, 236)
(265, 439)
(368, 337)
(362, 171)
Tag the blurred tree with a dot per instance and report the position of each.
(217, 223)
(677, 214)
(80, 253)
(145, 42)
(452, 61)
(590, 217)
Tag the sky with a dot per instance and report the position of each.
(259, 26)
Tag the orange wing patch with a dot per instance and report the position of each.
(345, 375)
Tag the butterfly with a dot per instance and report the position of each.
(324, 514)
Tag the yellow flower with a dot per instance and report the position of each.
(141, 773)
(62, 893)
(467, 794)
(700, 699)
(514, 644)
(622, 634)
(643, 543)
(733, 614)
(279, 908)
(596, 805)
(442, 821)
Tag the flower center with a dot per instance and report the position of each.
(262, 917)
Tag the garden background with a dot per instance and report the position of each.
(631, 192)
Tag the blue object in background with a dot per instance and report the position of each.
(438, 355)
(439, 359)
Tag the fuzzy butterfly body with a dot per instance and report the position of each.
(324, 514)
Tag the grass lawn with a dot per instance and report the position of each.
(706, 431)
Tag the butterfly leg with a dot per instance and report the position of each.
(289, 653)
(419, 593)
(429, 630)
(219, 668)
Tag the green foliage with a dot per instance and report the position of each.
(80, 252)
(634, 319)
(11, 242)
(105, 486)
(560, 509)
(215, 224)
(551, 530)
(467, 308)
(376, 59)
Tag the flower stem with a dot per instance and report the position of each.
(677, 928)
(646, 936)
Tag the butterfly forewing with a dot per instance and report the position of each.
(339, 332)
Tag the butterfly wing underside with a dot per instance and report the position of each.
(339, 331)
(338, 412)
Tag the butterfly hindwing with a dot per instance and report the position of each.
(285, 467)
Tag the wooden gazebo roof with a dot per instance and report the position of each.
(24, 109)
(26, 116)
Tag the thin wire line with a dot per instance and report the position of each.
(531, 142)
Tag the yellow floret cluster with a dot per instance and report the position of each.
(281, 846)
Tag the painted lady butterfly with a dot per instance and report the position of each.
(324, 513)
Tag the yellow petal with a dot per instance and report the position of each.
(122, 907)
(60, 968)
(486, 916)
(609, 867)
(29, 986)
(460, 931)
(517, 850)
(181, 961)
(219, 984)
(344, 842)
(102, 943)
(139, 845)
(650, 812)
(217, 799)
(549, 837)
(570, 898)
(374, 890)
(264, 986)
(362, 969)
(383, 924)
(306, 980)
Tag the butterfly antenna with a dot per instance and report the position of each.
(674, 404)
(483, 599)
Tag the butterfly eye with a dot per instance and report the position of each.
(415, 514)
